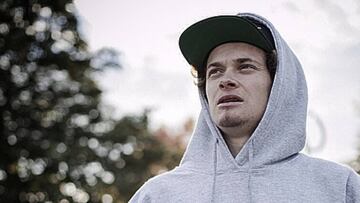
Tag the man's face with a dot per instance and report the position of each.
(238, 84)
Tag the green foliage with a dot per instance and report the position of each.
(55, 145)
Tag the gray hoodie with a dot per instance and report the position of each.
(269, 167)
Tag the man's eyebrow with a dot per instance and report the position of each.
(238, 60)
(215, 64)
(244, 60)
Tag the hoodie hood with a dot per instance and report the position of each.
(269, 167)
(280, 133)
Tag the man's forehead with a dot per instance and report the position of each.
(238, 52)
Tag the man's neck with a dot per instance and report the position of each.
(235, 141)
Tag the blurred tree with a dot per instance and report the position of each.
(145, 160)
(55, 144)
(106, 58)
(144, 154)
(48, 101)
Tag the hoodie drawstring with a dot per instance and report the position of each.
(214, 174)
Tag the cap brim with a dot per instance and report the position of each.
(197, 41)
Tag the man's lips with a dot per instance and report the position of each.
(229, 99)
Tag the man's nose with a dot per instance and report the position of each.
(228, 84)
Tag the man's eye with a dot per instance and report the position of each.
(213, 71)
(247, 67)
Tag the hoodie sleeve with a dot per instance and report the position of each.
(353, 188)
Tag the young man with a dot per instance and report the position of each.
(246, 144)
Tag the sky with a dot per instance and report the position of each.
(324, 34)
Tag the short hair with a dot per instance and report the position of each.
(200, 76)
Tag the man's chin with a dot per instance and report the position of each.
(229, 121)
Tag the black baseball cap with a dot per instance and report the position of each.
(198, 40)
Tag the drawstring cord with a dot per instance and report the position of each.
(249, 169)
(214, 174)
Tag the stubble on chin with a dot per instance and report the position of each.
(229, 121)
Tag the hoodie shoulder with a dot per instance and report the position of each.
(326, 166)
(332, 173)
(153, 189)
(177, 185)
(353, 188)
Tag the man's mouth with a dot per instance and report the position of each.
(229, 99)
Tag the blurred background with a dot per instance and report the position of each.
(95, 97)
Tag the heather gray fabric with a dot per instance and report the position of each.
(269, 168)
